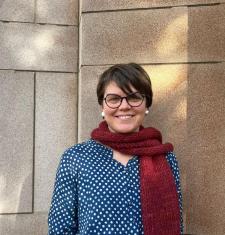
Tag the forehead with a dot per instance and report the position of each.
(113, 88)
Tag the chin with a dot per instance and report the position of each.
(124, 130)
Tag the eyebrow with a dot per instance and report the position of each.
(124, 96)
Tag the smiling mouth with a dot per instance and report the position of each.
(124, 117)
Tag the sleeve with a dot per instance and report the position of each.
(171, 158)
(62, 218)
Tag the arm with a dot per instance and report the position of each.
(63, 211)
(171, 158)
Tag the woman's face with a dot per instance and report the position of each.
(124, 119)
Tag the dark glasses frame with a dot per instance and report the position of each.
(126, 98)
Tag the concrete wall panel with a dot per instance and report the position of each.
(23, 224)
(55, 129)
(38, 47)
(206, 33)
(143, 36)
(17, 10)
(88, 109)
(57, 12)
(96, 5)
(207, 195)
(206, 138)
(16, 141)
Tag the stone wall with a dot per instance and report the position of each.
(48, 100)
(182, 46)
(38, 106)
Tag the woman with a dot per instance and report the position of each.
(123, 180)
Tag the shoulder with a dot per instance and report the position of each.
(78, 148)
(82, 151)
(84, 147)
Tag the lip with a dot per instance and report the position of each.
(124, 116)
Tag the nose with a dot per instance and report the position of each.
(124, 104)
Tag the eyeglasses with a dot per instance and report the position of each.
(114, 101)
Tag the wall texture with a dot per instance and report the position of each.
(48, 102)
(182, 46)
(38, 106)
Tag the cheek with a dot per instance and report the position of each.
(141, 110)
(142, 116)
(104, 108)
(107, 110)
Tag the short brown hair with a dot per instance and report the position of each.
(125, 75)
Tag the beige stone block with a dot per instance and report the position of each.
(89, 113)
(55, 130)
(16, 141)
(57, 12)
(206, 33)
(24, 224)
(206, 109)
(38, 47)
(147, 36)
(96, 5)
(206, 197)
(169, 84)
(206, 138)
(17, 10)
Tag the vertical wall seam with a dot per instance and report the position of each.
(77, 102)
(78, 68)
(35, 11)
(34, 122)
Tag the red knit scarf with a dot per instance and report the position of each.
(159, 199)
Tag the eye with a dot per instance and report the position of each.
(112, 98)
(135, 97)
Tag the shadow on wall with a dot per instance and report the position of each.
(1, 3)
(21, 220)
(30, 50)
(11, 207)
(25, 46)
(21, 192)
(36, 46)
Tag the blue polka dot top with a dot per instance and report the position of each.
(95, 194)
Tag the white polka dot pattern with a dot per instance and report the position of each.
(95, 194)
